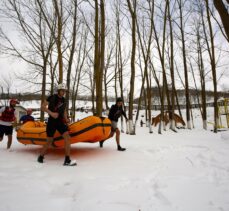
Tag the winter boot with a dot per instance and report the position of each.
(40, 159)
(120, 148)
(68, 162)
(101, 144)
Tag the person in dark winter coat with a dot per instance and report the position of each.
(7, 117)
(55, 106)
(116, 111)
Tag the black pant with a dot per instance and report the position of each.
(7, 130)
(55, 124)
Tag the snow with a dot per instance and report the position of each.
(183, 171)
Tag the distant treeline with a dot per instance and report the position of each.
(193, 93)
(180, 92)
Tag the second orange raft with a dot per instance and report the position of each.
(90, 129)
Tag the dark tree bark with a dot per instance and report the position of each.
(180, 3)
(132, 10)
(211, 51)
(223, 12)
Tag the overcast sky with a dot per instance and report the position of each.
(11, 66)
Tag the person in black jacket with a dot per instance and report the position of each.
(55, 106)
(115, 112)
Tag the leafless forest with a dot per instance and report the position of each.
(120, 48)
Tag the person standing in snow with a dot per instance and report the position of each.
(7, 117)
(55, 106)
(27, 117)
(115, 112)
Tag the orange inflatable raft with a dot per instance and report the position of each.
(90, 129)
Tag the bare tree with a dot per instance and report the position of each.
(108, 76)
(223, 12)
(200, 62)
(161, 53)
(120, 59)
(72, 46)
(146, 52)
(99, 53)
(211, 51)
(57, 33)
(80, 69)
(143, 75)
(132, 5)
(171, 112)
(38, 42)
(181, 26)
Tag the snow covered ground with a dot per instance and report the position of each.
(184, 171)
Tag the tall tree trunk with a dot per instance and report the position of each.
(146, 50)
(160, 92)
(141, 94)
(58, 11)
(97, 59)
(99, 105)
(196, 90)
(132, 10)
(99, 54)
(43, 89)
(185, 65)
(72, 52)
(171, 113)
(161, 53)
(213, 67)
(82, 51)
(120, 68)
(202, 80)
(223, 12)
